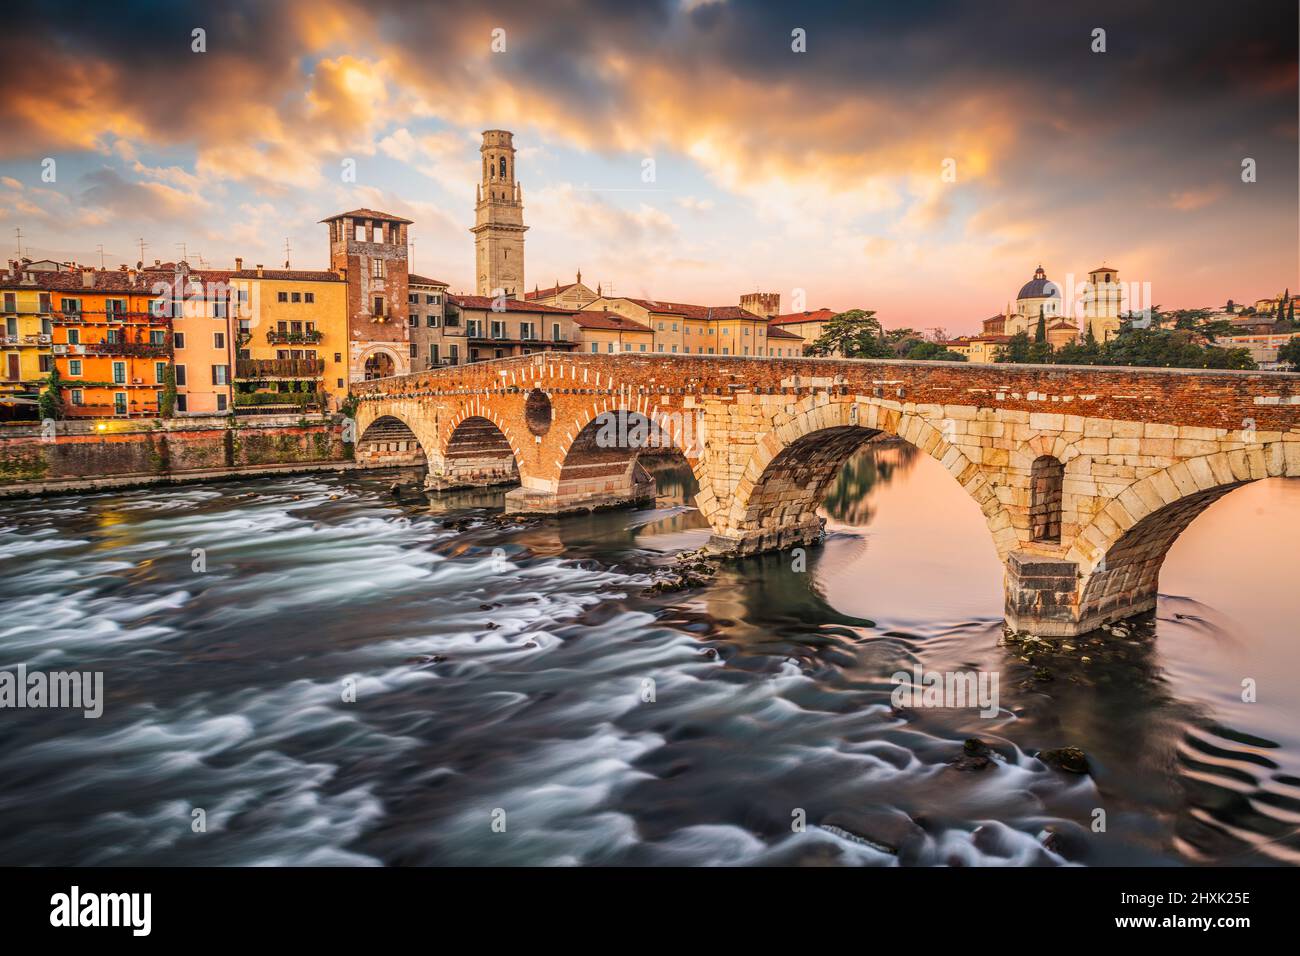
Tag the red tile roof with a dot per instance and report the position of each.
(793, 318)
(414, 279)
(511, 305)
(694, 311)
(774, 331)
(608, 320)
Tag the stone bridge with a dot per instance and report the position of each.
(1085, 475)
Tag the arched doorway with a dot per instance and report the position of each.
(380, 365)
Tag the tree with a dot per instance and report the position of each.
(853, 334)
(1040, 333)
(51, 400)
(1290, 353)
(1015, 350)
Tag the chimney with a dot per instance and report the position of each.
(87, 279)
(239, 263)
(259, 270)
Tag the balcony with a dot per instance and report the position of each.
(137, 349)
(276, 337)
(266, 369)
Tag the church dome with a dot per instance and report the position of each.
(1039, 287)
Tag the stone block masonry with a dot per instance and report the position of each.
(1093, 471)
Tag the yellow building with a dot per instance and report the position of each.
(807, 325)
(611, 333)
(292, 341)
(681, 328)
(26, 327)
(978, 349)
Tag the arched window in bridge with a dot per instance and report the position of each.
(1045, 480)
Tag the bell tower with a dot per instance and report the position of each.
(499, 220)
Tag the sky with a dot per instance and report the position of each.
(919, 159)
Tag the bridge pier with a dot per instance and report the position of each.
(593, 489)
(806, 530)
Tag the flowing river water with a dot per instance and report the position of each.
(519, 697)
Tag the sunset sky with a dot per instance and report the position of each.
(773, 170)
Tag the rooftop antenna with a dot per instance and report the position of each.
(18, 231)
(184, 251)
(287, 250)
(100, 249)
(143, 245)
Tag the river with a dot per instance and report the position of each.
(305, 671)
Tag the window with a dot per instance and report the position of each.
(295, 296)
(413, 320)
(46, 362)
(611, 347)
(159, 372)
(113, 336)
(119, 373)
(11, 304)
(661, 326)
(726, 350)
(218, 340)
(642, 346)
(359, 233)
(157, 337)
(178, 340)
(340, 383)
(221, 403)
(453, 354)
(78, 397)
(376, 268)
(221, 375)
(415, 350)
(119, 403)
(70, 306)
(182, 403)
(180, 374)
(527, 330)
(282, 297)
(498, 329)
(432, 299)
(377, 307)
(432, 321)
(595, 346)
(338, 356)
(74, 367)
(309, 297)
(1046, 476)
(114, 306)
(74, 336)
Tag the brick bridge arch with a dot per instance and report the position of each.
(787, 476)
(1085, 475)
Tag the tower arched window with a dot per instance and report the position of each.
(503, 167)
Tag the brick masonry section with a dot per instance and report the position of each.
(1138, 452)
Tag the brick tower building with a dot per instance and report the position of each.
(369, 249)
